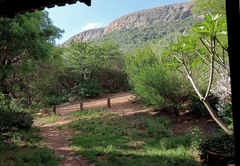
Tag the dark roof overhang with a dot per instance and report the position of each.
(9, 8)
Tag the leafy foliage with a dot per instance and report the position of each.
(92, 69)
(12, 116)
(159, 87)
(136, 62)
(220, 143)
(25, 40)
(204, 45)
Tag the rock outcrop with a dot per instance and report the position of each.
(88, 35)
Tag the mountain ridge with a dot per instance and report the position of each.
(145, 17)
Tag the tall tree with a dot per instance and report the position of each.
(94, 64)
(44, 81)
(86, 58)
(23, 40)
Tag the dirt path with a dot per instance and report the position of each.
(58, 140)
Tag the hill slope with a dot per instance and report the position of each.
(134, 29)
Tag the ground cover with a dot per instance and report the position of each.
(127, 133)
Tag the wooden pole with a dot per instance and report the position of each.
(54, 109)
(81, 106)
(109, 103)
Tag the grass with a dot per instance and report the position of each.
(48, 119)
(105, 138)
(136, 139)
(21, 148)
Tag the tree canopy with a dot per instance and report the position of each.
(25, 39)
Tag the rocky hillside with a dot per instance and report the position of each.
(167, 13)
(173, 12)
(87, 35)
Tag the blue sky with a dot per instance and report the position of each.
(79, 17)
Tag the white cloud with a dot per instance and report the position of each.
(90, 26)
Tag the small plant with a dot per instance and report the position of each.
(220, 143)
(42, 156)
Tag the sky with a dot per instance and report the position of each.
(76, 18)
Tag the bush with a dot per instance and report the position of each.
(162, 88)
(89, 88)
(221, 143)
(12, 116)
(23, 121)
(6, 114)
(159, 87)
(53, 100)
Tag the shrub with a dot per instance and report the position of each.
(6, 114)
(89, 88)
(53, 100)
(220, 143)
(162, 88)
(13, 116)
(23, 121)
(152, 82)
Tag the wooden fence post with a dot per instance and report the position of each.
(81, 105)
(108, 103)
(54, 109)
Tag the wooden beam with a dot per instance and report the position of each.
(9, 8)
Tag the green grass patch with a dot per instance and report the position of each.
(24, 148)
(48, 119)
(136, 139)
(86, 114)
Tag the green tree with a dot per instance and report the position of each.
(24, 40)
(205, 46)
(135, 62)
(44, 82)
(86, 58)
(90, 64)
